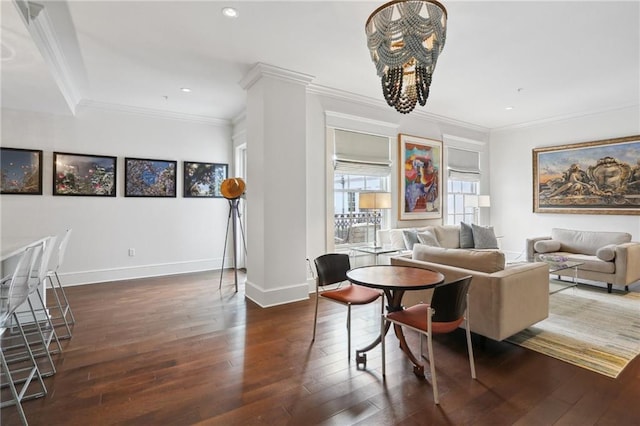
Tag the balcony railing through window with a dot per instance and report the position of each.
(355, 228)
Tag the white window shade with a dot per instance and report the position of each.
(463, 164)
(361, 154)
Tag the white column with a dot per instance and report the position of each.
(276, 185)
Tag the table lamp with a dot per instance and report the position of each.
(484, 201)
(374, 201)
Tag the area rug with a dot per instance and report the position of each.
(588, 327)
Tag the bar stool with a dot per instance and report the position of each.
(40, 325)
(14, 291)
(59, 295)
(37, 280)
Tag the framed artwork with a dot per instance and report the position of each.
(149, 178)
(21, 171)
(420, 178)
(86, 175)
(600, 177)
(202, 180)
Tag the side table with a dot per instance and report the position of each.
(375, 251)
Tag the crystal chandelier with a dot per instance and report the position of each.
(405, 38)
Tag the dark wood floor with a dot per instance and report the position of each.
(177, 351)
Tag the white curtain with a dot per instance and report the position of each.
(361, 154)
(463, 164)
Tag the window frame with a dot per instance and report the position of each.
(353, 214)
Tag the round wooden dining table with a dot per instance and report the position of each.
(394, 280)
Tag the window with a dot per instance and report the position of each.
(459, 207)
(353, 226)
(463, 169)
(361, 164)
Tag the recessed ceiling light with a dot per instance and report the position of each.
(509, 108)
(185, 89)
(230, 12)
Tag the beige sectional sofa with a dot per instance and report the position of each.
(608, 257)
(503, 299)
(447, 236)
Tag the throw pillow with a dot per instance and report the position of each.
(448, 235)
(484, 237)
(546, 246)
(428, 238)
(607, 253)
(410, 238)
(397, 239)
(466, 236)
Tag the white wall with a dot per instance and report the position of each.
(371, 119)
(170, 235)
(512, 176)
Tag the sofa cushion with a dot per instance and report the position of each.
(607, 253)
(587, 242)
(397, 239)
(448, 235)
(428, 238)
(475, 260)
(410, 237)
(466, 236)
(546, 246)
(484, 237)
(590, 263)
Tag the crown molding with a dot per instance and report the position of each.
(450, 137)
(354, 123)
(43, 34)
(260, 70)
(242, 115)
(556, 119)
(239, 134)
(356, 118)
(377, 103)
(155, 113)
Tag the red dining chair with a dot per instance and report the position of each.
(444, 314)
(332, 269)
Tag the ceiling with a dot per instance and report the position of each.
(546, 60)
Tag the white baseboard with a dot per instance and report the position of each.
(264, 298)
(134, 272)
(277, 296)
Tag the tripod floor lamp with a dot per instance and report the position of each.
(375, 201)
(232, 189)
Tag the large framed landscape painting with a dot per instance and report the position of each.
(202, 180)
(420, 178)
(599, 177)
(84, 175)
(149, 178)
(21, 171)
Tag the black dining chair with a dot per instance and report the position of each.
(444, 314)
(332, 270)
